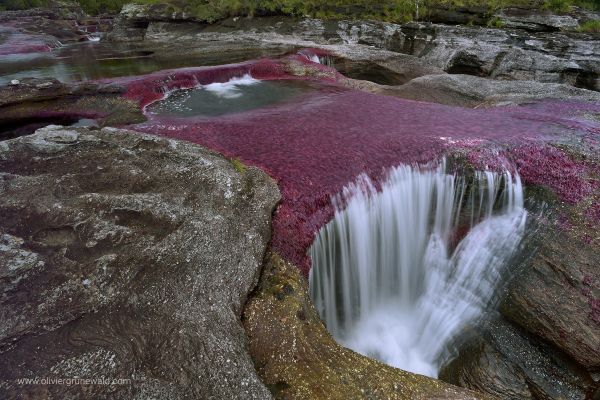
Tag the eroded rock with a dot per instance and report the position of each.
(127, 256)
(297, 358)
(30, 103)
(506, 54)
(556, 296)
(502, 360)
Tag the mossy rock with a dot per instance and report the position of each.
(296, 357)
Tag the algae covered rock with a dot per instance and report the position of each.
(297, 358)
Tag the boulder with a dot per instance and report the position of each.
(129, 258)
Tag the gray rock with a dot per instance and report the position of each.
(472, 91)
(127, 256)
(507, 54)
(502, 360)
(556, 296)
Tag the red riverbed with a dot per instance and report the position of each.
(322, 140)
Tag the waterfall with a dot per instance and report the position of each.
(318, 59)
(391, 275)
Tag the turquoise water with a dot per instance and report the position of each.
(237, 95)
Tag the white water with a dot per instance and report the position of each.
(231, 88)
(385, 278)
(314, 58)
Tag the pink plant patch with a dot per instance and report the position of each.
(542, 164)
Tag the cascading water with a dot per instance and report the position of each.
(388, 278)
(317, 59)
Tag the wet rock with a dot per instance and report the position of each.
(502, 360)
(473, 91)
(297, 358)
(31, 89)
(32, 103)
(127, 257)
(556, 296)
(350, 45)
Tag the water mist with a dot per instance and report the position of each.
(399, 272)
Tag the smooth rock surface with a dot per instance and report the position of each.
(127, 256)
(502, 360)
(472, 91)
(557, 296)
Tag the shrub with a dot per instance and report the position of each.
(559, 6)
(495, 23)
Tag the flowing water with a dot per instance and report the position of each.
(399, 272)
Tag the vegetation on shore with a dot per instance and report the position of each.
(389, 10)
(590, 27)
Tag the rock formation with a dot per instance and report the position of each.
(515, 54)
(126, 256)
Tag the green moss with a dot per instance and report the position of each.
(238, 165)
(495, 23)
(22, 4)
(590, 26)
(559, 6)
